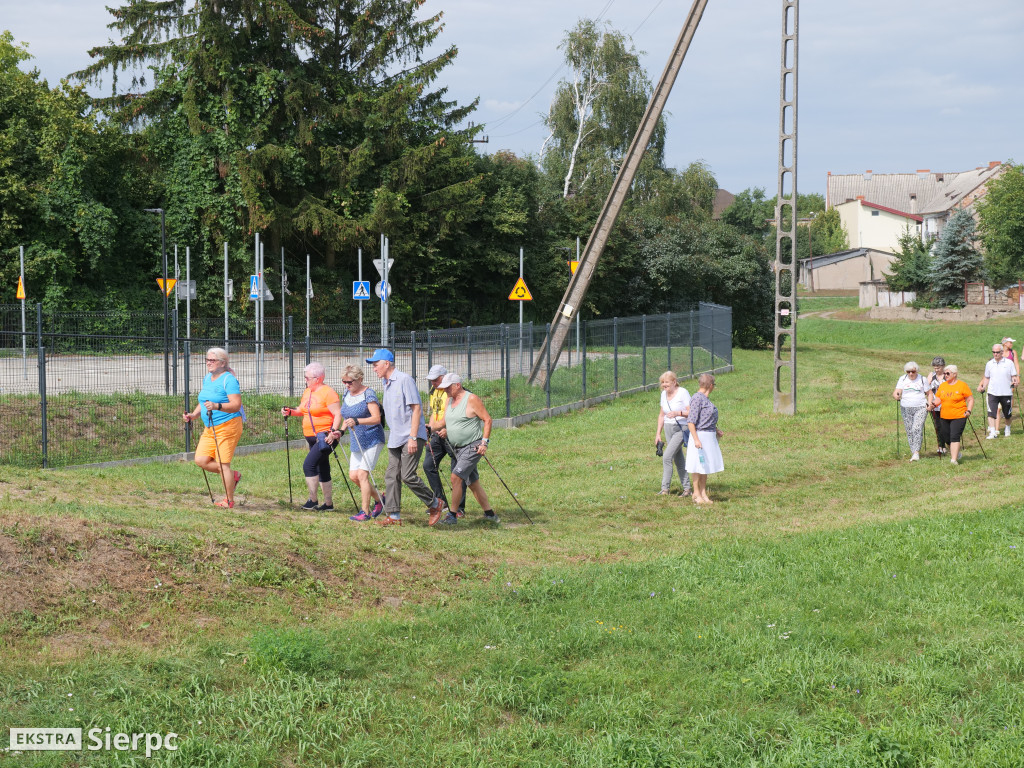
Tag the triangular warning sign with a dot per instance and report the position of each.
(21, 290)
(168, 287)
(572, 266)
(520, 292)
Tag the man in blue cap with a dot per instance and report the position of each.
(403, 412)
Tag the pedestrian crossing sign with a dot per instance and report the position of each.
(254, 287)
(520, 292)
(360, 290)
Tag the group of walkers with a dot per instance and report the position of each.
(457, 425)
(951, 401)
(689, 423)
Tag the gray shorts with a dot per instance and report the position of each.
(466, 459)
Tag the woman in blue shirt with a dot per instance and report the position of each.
(219, 407)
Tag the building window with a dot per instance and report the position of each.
(874, 213)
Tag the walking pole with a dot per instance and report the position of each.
(344, 474)
(976, 436)
(208, 489)
(1017, 394)
(897, 429)
(216, 445)
(288, 453)
(507, 488)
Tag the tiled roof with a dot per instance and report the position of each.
(916, 193)
(834, 258)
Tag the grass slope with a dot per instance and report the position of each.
(836, 607)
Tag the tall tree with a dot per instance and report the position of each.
(956, 260)
(911, 269)
(596, 111)
(1001, 226)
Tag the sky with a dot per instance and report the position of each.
(891, 86)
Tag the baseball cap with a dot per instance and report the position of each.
(449, 379)
(435, 372)
(381, 354)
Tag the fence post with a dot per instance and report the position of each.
(615, 355)
(41, 357)
(691, 344)
(713, 329)
(430, 350)
(412, 348)
(469, 353)
(583, 359)
(291, 357)
(531, 345)
(547, 378)
(668, 339)
(508, 373)
(174, 363)
(188, 395)
(643, 350)
(501, 342)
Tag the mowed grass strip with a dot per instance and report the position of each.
(326, 641)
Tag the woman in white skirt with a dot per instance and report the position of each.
(704, 457)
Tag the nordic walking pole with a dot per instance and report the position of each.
(220, 464)
(344, 474)
(976, 436)
(897, 429)
(288, 454)
(1015, 392)
(507, 488)
(205, 478)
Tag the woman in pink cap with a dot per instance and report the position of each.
(1009, 354)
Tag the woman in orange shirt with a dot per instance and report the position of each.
(320, 410)
(956, 402)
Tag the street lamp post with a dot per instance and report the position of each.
(163, 252)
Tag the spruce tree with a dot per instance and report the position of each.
(955, 259)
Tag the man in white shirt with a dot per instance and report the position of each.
(1000, 380)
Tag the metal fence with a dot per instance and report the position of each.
(81, 388)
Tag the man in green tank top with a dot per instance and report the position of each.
(468, 431)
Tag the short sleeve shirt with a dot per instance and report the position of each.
(316, 406)
(436, 403)
(400, 395)
(217, 391)
(680, 402)
(913, 391)
(954, 399)
(703, 413)
(358, 407)
(1000, 377)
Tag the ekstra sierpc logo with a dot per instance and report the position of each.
(70, 739)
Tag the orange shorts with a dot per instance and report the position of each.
(228, 435)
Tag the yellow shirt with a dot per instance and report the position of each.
(436, 404)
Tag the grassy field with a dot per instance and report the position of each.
(835, 607)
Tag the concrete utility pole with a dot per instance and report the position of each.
(580, 282)
(784, 380)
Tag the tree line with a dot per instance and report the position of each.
(321, 124)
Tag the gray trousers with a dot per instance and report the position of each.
(402, 468)
(913, 422)
(673, 453)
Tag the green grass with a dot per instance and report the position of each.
(835, 607)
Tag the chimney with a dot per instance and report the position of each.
(867, 175)
(861, 198)
(922, 173)
(993, 163)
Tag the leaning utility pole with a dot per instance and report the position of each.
(785, 219)
(580, 281)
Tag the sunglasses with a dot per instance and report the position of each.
(212, 360)
(347, 382)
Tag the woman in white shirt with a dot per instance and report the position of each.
(911, 391)
(675, 406)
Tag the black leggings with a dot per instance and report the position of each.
(951, 430)
(317, 462)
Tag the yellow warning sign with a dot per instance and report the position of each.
(166, 288)
(21, 290)
(520, 292)
(572, 266)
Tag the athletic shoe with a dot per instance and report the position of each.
(992, 434)
(225, 504)
(390, 521)
(490, 517)
(378, 507)
(310, 505)
(436, 511)
(954, 461)
(238, 478)
(460, 513)
(915, 457)
(362, 517)
(1006, 431)
(450, 519)
(325, 508)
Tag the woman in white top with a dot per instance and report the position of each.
(912, 393)
(675, 406)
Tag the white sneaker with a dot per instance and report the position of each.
(992, 434)
(954, 461)
(915, 457)
(1006, 431)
